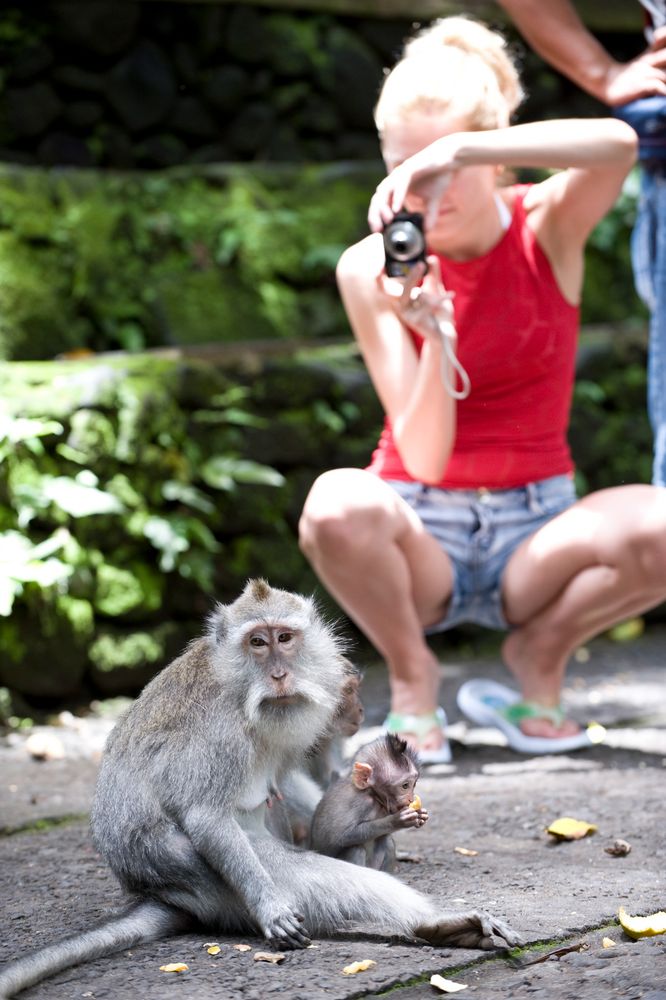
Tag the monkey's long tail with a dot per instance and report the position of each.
(147, 921)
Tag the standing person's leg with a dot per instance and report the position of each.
(648, 254)
(373, 555)
(601, 561)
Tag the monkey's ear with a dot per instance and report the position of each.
(361, 775)
(217, 624)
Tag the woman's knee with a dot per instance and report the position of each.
(648, 551)
(336, 516)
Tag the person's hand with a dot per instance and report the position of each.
(644, 76)
(426, 175)
(427, 307)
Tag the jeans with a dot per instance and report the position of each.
(480, 530)
(648, 254)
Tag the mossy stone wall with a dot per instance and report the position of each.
(136, 490)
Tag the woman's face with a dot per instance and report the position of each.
(469, 194)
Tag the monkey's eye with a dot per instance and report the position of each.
(256, 640)
(285, 636)
(405, 784)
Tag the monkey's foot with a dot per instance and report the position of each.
(468, 929)
(420, 726)
(284, 927)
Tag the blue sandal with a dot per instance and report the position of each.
(420, 726)
(487, 703)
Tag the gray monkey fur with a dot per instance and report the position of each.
(180, 803)
(357, 814)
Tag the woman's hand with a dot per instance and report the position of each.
(426, 307)
(426, 175)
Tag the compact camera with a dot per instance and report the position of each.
(404, 243)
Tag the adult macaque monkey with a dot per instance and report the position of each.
(181, 798)
(359, 812)
(290, 817)
(327, 761)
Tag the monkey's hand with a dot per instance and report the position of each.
(409, 817)
(282, 925)
(468, 929)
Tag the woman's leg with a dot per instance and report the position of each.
(373, 555)
(600, 561)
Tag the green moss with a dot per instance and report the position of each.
(132, 590)
(79, 615)
(36, 321)
(12, 640)
(110, 652)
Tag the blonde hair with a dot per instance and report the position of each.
(456, 65)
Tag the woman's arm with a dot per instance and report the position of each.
(410, 386)
(599, 151)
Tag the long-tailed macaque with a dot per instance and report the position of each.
(360, 810)
(327, 762)
(290, 816)
(181, 797)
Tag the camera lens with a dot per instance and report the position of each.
(403, 240)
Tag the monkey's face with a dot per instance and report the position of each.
(394, 791)
(350, 714)
(274, 649)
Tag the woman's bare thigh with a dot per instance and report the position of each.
(375, 513)
(594, 531)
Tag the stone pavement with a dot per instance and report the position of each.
(489, 801)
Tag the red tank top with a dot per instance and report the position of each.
(517, 338)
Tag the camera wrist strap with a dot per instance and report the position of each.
(449, 355)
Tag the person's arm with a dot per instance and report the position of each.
(598, 151)
(556, 32)
(410, 386)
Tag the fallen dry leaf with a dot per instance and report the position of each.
(214, 949)
(174, 967)
(638, 927)
(351, 970)
(467, 851)
(242, 947)
(607, 942)
(269, 956)
(619, 849)
(446, 985)
(567, 828)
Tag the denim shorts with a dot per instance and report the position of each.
(479, 530)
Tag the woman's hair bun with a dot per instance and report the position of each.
(475, 39)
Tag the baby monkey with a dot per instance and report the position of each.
(359, 812)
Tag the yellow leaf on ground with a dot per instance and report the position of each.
(351, 970)
(242, 947)
(567, 828)
(269, 956)
(446, 985)
(214, 949)
(627, 631)
(174, 967)
(638, 927)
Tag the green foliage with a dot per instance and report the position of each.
(108, 261)
(128, 508)
(609, 294)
